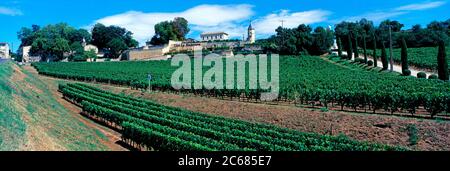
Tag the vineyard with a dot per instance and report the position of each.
(304, 80)
(425, 57)
(156, 127)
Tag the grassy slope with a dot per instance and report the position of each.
(32, 119)
(12, 128)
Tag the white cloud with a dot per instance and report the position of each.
(232, 19)
(267, 24)
(378, 16)
(10, 11)
(374, 16)
(201, 18)
(421, 6)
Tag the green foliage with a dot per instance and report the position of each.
(355, 47)
(173, 129)
(339, 44)
(84, 56)
(359, 60)
(306, 80)
(374, 54)
(90, 54)
(413, 134)
(77, 48)
(370, 63)
(433, 77)
(404, 57)
(117, 46)
(322, 41)
(52, 41)
(365, 49)
(443, 71)
(299, 41)
(170, 30)
(349, 47)
(421, 75)
(113, 38)
(425, 58)
(414, 37)
(384, 58)
(406, 72)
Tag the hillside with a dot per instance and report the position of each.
(34, 118)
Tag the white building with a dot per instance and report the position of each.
(25, 51)
(251, 34)
(212, 36)
(89, 47)
(4, 50)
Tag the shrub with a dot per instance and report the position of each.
(370, 63)
(413, 134)
(359, 60)
(433, 76)
(324, 109)
(406, 72)
(421, 75)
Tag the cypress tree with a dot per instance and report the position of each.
(339, 44)
(365, 49)
(356, 47)
(349, 47)
(384, 59)
(404, 54)
(374, 55)
(442, 62)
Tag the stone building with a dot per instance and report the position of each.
(26, 57)
(251, 34)
(89, 47)
(4, 50)
(213, 36)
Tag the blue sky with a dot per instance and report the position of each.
(230, 16)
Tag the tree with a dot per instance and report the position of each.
(181, 28)
(107, 38)
(170, 30)
(53, 42)
(404, 55)
(384, 58)
(365, 49)
(442, 62)
(90, 54)
(117, 46)
(374, 53)
(79, 35)
(349, 47)
(76, 48)
(102, 35)
(322, 41)
(356, 47)
(339, 44)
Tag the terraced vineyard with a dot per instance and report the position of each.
(425, 57)
(164, 128)
(305, 80)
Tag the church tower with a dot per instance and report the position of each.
(251, 34)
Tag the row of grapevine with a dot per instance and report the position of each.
(305, 79)
(167, 128)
